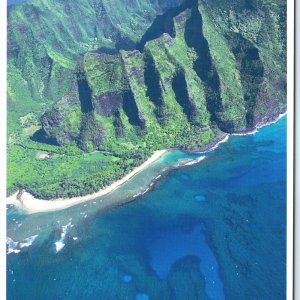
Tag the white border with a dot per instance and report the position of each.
(290, 146)
(290, 150)
(297, 161)
(3, 63)
(290, 139)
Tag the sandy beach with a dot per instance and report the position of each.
(28, 203)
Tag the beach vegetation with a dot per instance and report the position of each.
(102, 94)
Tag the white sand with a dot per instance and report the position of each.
(30, 204)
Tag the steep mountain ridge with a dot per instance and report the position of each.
(194, 70)
(46, 38)
(173, 78)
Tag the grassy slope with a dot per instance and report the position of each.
(166, 99)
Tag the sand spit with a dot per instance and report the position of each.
(28, 203)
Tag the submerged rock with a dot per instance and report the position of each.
(142, 296)
(127, 278)
(200, 198)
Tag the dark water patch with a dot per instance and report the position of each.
(240, 199)
(187, 270)
(179, 244)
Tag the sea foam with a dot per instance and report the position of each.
(195, 161)
(60, 243)
(15, 247)
(12, 246)
(28, 241)
(260, 126)
(224, 140)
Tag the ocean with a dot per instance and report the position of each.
(212, 230)
(15, 2)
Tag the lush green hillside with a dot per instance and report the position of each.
(46, 38)
(130, 81)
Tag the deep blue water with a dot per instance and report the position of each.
(214, 230)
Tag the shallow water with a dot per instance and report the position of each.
(213, 230)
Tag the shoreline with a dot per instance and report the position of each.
(29, 204)
(269, 121)
(222, 138)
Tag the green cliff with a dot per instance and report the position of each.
(102, 93)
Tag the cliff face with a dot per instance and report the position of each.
(46, 38)
(128, 77)
(200, 65)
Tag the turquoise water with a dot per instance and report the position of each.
(213, 230)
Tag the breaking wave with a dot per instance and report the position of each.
(15, 247)
(60, 243)
(194, 161)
